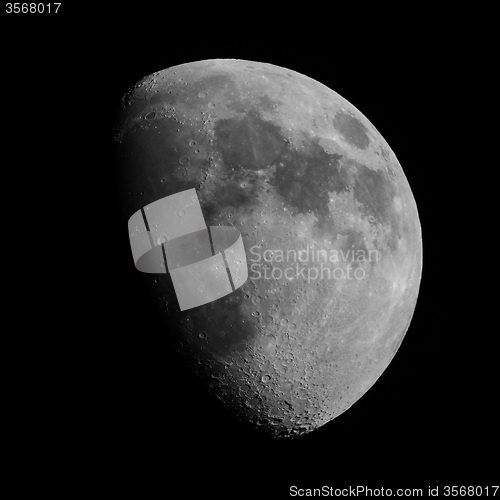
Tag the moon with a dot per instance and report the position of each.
(327, 218)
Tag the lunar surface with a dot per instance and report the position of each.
(328, 222)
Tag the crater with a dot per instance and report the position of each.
(351, 130)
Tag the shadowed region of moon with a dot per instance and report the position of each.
(327, 218)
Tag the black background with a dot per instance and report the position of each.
(97, 397)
